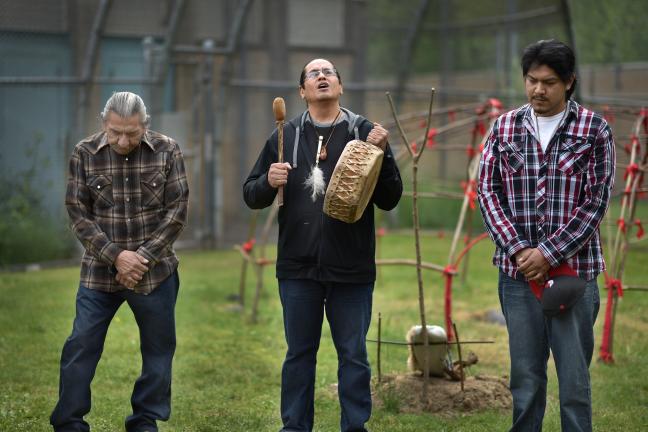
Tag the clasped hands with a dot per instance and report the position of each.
(131, 268)
(533, 265)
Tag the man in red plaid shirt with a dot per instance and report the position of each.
(545, 180)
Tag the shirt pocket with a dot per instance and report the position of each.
(573, 155)
(101, 191)
(152, 186)
(512, 157)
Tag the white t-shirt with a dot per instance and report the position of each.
(546, 127)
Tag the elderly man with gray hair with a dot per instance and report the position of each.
(127, 200)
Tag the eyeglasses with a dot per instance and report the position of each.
(328, 72)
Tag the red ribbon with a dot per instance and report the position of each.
(249, 245)
(613, 286)
(470, 190)
(608, 114)
(495, 103)
(640, 229)
(471, 152)
(622, 225)
(631, 170)
(430, 137)
(413, 146)
(634, 141)
(448, 273)
(480, 128)
(496, 108)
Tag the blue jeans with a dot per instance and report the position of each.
(348, 311)
(151, 398)
(569, 336)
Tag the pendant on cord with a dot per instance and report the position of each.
(323, 154)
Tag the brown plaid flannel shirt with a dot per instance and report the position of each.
(135, 202)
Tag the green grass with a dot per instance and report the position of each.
(227, 372)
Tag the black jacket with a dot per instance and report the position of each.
(311, 244)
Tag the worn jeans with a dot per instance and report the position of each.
(348, 311)
(151, 397)
(569, 336)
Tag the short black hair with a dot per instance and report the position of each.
(554, 54)
(302, 77)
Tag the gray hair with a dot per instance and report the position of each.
(126, 104)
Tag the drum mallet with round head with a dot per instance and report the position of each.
(279, 110)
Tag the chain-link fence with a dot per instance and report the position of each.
(209, 70)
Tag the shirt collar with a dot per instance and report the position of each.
(103, 141)
(529, 121)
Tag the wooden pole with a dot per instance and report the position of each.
(244, 264)
(416, 155)
(461, 370)
(262, 256)
(378, 354)
(473, 147)
(621, 239)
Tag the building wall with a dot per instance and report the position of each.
(49, 38)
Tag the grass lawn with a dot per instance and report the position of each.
(227, 372)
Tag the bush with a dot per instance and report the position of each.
(27, 232)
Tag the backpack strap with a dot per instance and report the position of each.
(298, 130)
(353, 122)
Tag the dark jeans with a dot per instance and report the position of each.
(151, 398)
(348, 310)
(569, 336)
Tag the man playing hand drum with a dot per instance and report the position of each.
(324, 265)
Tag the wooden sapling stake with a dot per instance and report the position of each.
(620, 249)
(379, 337)
(244, 265)
(461, 368)
(416, 155)
(260, 263)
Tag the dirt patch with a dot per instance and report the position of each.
(403, 393)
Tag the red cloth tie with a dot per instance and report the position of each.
(613, 286)
(631, 171)
(249, 245)
(640, 229)
(644, 118)
(470, 190)
(608, 114)
(430, 137)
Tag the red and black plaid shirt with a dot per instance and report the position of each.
(554, 200)
(135, 202)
